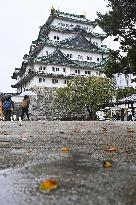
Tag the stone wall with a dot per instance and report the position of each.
(41, 107)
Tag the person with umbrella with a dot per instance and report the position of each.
(1, 110)
(8, 107)
(25, 105)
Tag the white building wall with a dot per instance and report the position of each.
(96, 41)
(59, 70)
(66, 24)
(123, 81)
(46, 49)
(48, 82)
(83, 54)
(82, 72)
(62, 36)
(74, 53)
(66, 73)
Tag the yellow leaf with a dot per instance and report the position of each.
(107, 164)
(48, 185)
(112, 149)
(129, 129)
(65, 149)
(104, 129)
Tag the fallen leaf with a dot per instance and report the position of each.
(77, 130)
(61, 132)
(129, 129)
(107, 164)
(112, 149)
(4, 133)
(29, 150)
(48, 185)
(65, 149)
(104, 129)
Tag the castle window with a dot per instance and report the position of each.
(40, 80)
(77, 71)
(64, 69)
(47, 53)
(56, 38)
(98, 59)
(53, 68)
(97, 73)
(66, 81)
(89, 58)
(44, 68)
(57, 69)
(40, 68)
(69, 55)
(80, 57)
(43, 79)
(88, 72)
(54, 81)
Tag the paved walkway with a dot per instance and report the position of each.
(31, 152)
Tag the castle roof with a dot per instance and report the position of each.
(77, 42)
(75, 30)
(57, 57)
(71, 17)
(63, 16)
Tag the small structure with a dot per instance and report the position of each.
(128, 106)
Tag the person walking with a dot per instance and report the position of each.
(1, 110)
(25, 106)
(8, 107)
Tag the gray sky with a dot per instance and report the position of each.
(19, 23)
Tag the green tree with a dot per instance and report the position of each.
(120, 21)
(124, 92)
(91, 93)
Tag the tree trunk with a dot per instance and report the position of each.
(90, 111)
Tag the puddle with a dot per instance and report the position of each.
(9, 138)
(81, 179)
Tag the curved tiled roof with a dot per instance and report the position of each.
(78, 41)
(72, 17)
(75, 30)
(57, 57)
(131, 98)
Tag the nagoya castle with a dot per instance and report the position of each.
(66, 47)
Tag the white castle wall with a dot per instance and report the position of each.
(66, 24)
(62, 36)
(83, 54)
(74, 53)
(43, 52)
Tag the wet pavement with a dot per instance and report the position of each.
(31, 152)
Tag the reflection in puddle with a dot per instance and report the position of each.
(77, 174)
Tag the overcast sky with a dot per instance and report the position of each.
(19, 26)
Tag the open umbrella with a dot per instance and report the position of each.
(29, 93)
(17, 98)
(4, 97)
